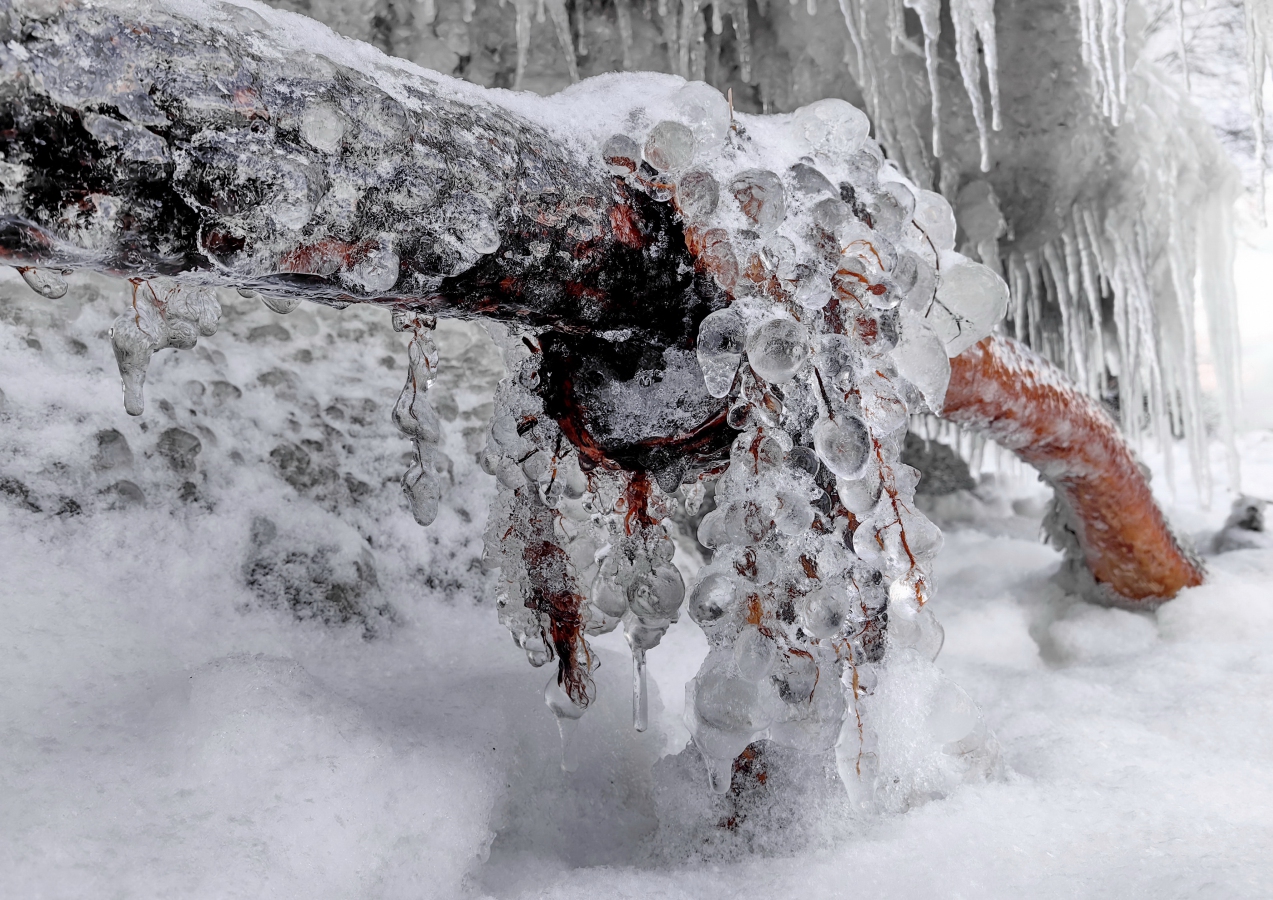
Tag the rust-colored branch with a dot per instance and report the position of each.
(1005, 390)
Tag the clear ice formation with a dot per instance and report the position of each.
(844, 296)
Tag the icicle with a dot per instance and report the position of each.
(929, 12)
(561, 22)
(1257, 60)
(1180, 40)
(623, 17)
(640, 699)
(811, 7)
(428, 11)
(467, 8)
(581, 38)
(522, 9)
(975, 19)
(742, 32)
(688, 33)
(417, 419)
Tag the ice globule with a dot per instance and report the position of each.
(164, 313)
(45, 282)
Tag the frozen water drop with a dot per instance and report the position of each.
(657, 595)
(622, 155)
(706, 111)
(697, 195)
(779, 256)
(810, 181)
(760, 196)
(670, 146)
(921, 359)
(279, 303)
(323, 126)
(754, 654)
(720, 347)
(843, 445)
(777, 349)
(970, 301)
(711, 599)
(936, 219)
(45, 282)
(814, 291)
(833, 129)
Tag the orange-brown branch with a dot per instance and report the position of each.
(1011, 394)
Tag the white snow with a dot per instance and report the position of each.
(167, 733)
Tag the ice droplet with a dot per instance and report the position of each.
(921, 359)
(280, 304)
(622, 155)
(777, 349)
(720, 349)
(697, 195)
(670, 146)
(754, 654)
(833, 129)
(843, 445)
(45, 282)
(323, 126)
(970, 302)
(657, 595)
(711, 599)
(759, 195)
(706, 111)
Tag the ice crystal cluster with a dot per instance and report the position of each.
(846, 300)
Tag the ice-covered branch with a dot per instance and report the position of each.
(1016, 397)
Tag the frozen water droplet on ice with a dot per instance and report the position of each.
(779, 256)
(759, 195)
(423, 489)
(375, 273)
(622, 155)
(280, 304)
(657, 595)
(777, 349)
(833, 129)
(936, 219)
(971, 300)
(810, 181)
(322, 126)
(706, 111)
(608, 595)
(711, 599)
(670, 146)
(754, 654)
(720, 347)
(729, 703)
(843, 445)
(697, 195)
(921, 359)
(813, 291)
(831, 215)
(45, 282)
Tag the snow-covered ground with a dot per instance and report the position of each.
(244, 671)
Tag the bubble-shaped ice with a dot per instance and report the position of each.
(760, 196)
(777, 349)
(706, 111)
(832, 128)
(622, 154)
(970, 301)
(720, 348)
(670, 146)
(657, 595)
(711, 599)
(45, 282)
(697, 195)
(843, 445)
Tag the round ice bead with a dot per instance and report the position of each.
(832, 128)
(825, 612)
(670, 146)
(813, 291)
(697, 195)
(754, 654)
(706, 111)
(921, 360)
(720, 348)
(280, 304)
(759, 195)
(608, 595)
(559, 701)
(843, 445)
(779, 256)
(831, 214)
(622, 155)
(809, 180)
(777, 349)
(803, 459)
(936, 219)
(658, 594)
(796, 678)
(711, 599)
(322, 126)
(729, 703)
(971, 299)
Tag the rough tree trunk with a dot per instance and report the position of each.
(225, 150)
